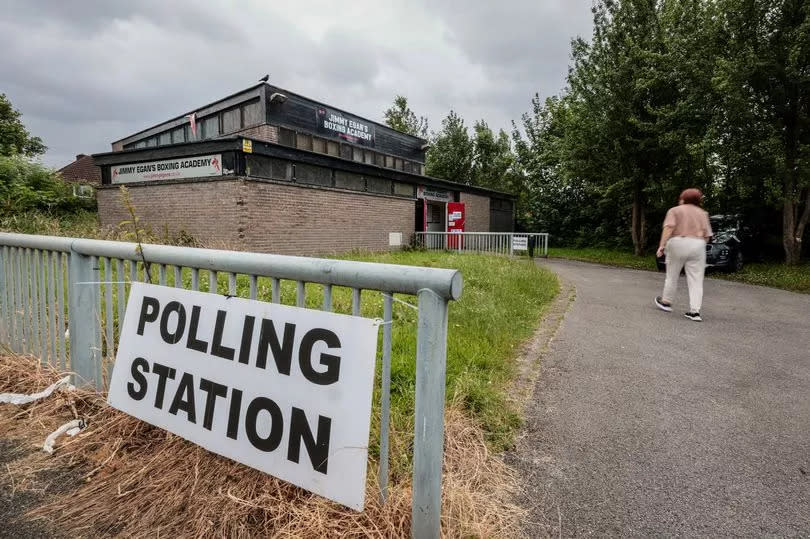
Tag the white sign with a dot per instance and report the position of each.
(520, 243)
(455, 215)
(432, 194)
(169, 169)
(281, 389)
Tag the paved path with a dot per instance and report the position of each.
(644, 423)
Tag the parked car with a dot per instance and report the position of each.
(727, 249)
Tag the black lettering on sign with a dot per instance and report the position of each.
(138, 367)
(184, 398)
(234, 413)
(212, 391)
(217, 349)
(193, 342)
(282, 353)
(168, 336)
(317, 446)
(276, 424)
(149, 312)
(332, 363)
(247, 339)
(163, 372)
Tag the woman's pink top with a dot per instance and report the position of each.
(689, 220)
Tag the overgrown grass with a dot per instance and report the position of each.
(608, 257)
(81, 224)
(773, 274)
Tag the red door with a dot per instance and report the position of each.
(455, 224)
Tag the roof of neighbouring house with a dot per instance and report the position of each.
(82, 170)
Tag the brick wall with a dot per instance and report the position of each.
(265, 217)
(209, 211)
(476, 208)
(267, 133)
(288, 219)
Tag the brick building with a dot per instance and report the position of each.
(269, 170)
(82, 170)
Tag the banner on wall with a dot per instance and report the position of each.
(349, 128)
(168, 169)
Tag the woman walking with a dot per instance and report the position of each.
(686, 231)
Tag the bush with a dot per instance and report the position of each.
(27, 186)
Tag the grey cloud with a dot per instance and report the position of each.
(85, 74)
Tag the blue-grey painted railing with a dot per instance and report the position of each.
(49, 285)
(501, 243)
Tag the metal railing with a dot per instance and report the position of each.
(50, 284)
(503, 243)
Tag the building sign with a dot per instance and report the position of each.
(247, 145)
(349, 128)
(520, 243)
(169, 169)
(281, 389)
(433, 194)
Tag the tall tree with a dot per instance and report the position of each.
(14, 137)
(764, 126)
(400, 117)
(451, 151)
(492, 157)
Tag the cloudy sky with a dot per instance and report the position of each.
(88, 72)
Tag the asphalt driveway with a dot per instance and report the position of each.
(644, 423)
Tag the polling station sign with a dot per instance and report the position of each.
(281, 389)
(168, 169)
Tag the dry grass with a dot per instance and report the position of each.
(138, 480)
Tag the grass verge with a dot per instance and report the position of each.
(772, 274)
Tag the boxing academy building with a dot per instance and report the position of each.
(271, 171)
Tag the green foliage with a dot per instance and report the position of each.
(14, 137)
(668, 95)
(795, 278)
(451, 151)
(26, 186)
(492, 158)
(400, 117)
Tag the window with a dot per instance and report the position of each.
(347, 180)
(408, 166)
(380, 158)
(398, 163)
(311, 174)
(140, 144)
(286, 137)
(151, 142)
(379, 185)
(251, 114)
(210, 127)
(346, 151)
(267, 167)
(369, 157)
(165, 138)
(332, 148)
(231, 121)
(389, 161)
(357, 154)
(418, 168)
(178, 135)
(303, 142)
(318, 145)
(403, 189)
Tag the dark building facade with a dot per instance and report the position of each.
(269, 170)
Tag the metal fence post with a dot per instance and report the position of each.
(431, 355)
(83, 319)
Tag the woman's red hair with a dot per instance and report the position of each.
(692, 196)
